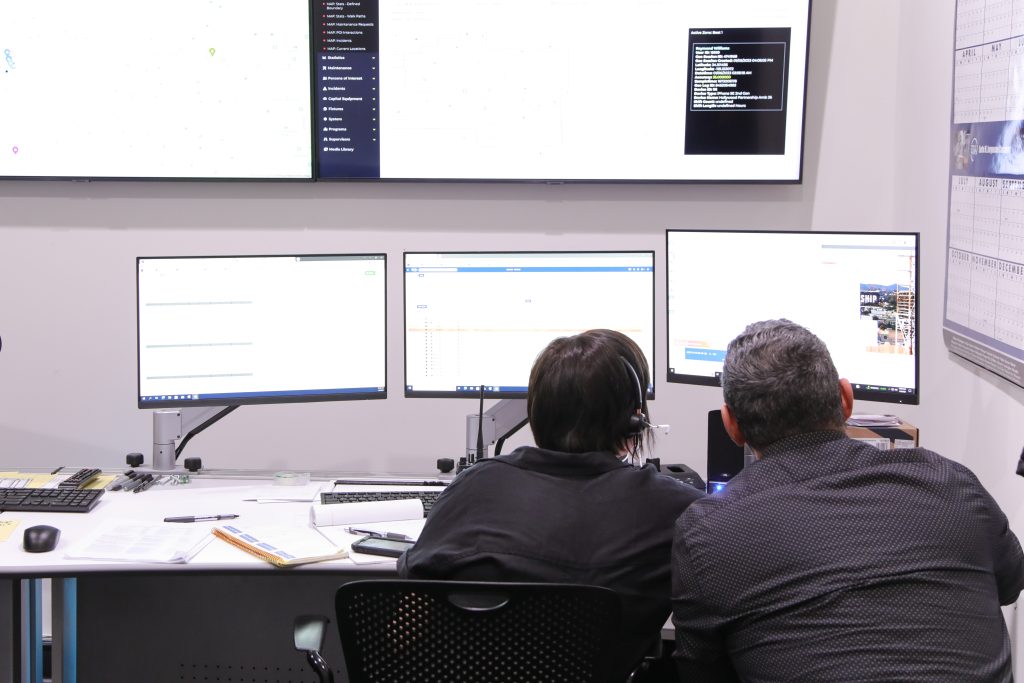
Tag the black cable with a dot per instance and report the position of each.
(199, 428)
(480, 428)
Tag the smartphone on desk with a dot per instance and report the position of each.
(375, 545)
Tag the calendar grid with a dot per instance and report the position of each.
(984, 298)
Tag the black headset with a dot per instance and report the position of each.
(638, 422)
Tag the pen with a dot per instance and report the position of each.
(206, 518)
(137, 482)
(379, 534)
(146, 484)
(125, 480)
(122, 480)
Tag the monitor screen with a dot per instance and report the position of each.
(856, 291)
(477, 319)
(126, 89)
(234, 330)
(561, 90)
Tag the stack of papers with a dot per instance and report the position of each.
(873, 421)
(131, 541)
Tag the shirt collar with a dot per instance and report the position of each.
(799, 442)
(556, 462)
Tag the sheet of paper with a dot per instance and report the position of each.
(7, 526)
(307, 493)
(336, 514)
(132, 541)
(340, 536)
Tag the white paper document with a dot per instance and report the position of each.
(864, 420)
(336, 514)
(131, 541)
(306, 493)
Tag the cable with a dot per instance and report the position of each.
(480, 428)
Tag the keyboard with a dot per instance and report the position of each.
(427, 497)
(49, 500)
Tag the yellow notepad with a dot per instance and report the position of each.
(281, 546)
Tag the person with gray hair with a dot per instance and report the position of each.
(828, 559)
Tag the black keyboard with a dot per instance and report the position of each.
(49, 500)
(331, 497)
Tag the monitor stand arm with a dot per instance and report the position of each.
(169, 425)
(500, 421)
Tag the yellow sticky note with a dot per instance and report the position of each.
(101, 481)
(36, 480)
(7, 526)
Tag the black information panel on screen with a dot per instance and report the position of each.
(737, 98)
(345, 99)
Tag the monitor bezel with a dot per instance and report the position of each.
(262, 399)
(859, 393)
(475, 394)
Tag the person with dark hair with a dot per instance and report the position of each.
(828, 559)
(573, 509)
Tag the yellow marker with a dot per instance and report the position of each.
(212, 50)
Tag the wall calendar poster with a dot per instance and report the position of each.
(984, 303)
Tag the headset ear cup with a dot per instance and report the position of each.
(637, 421)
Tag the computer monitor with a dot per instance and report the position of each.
(857, 291)
(477, 319)
(195, 90)
(235, 330)
(534, 90)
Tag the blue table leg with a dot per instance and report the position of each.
(32, 630)
(65, 631)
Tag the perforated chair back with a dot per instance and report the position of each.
(395, 631)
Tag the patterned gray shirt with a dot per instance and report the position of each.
(831, 560)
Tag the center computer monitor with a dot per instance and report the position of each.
(477, 319)
(857, 291)
(235, 330)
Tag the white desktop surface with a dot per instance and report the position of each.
(201, 496)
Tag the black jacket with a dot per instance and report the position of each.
(537, 515)
(831, 560)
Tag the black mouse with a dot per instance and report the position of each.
(40, 538)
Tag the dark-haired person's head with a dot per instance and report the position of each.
(583, 391)
(778, 380)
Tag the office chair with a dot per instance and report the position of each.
(401, 631)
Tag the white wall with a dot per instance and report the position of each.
(875, 158)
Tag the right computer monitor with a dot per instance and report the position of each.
(857, 291)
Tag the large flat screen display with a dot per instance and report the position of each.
(856, 291)
(479, 319)
(659, 90)
(234, 330)
(125, 89)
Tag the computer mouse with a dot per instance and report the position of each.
(40, 538)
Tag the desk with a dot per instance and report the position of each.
(224, 616)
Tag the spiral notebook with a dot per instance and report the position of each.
(281, 546)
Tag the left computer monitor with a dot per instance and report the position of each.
(236, 330)
(477, 319)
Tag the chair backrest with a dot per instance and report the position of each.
(404, 631)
